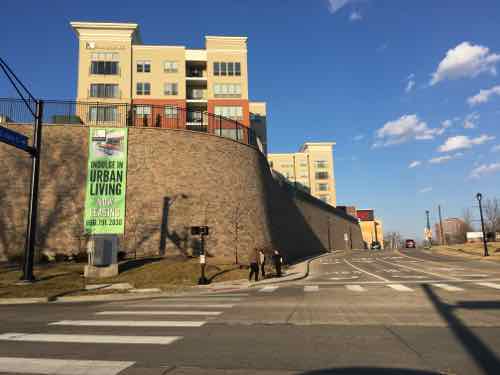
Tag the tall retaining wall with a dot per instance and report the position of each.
(175, 179)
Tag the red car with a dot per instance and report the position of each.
(410, 244)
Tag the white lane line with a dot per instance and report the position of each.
(400, 287)
(362, 270)
(19, 365)
(201, 299)
(128, 323)
(311, 288)
(355, 288)
(89, 339)
(268, 289)
(344, 278)
(448, 287)
(169, 312)
(419, 270)
(217, 294)
(490, 285)
(181, 305)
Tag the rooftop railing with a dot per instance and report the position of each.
(129, 115)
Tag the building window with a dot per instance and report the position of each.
(322, 187)
(102, 114)
(170, 67)
(227, 90)
(103, 90)
(171, 112)
(143, 66)
(170, 88)
(143, 110)
(321, 175)
(143, 88)
(235, 134)
(232, 112)
(321, 164)
(104, 67)
(227, 68)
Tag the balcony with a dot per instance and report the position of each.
(196, 95)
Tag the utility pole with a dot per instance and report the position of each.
(443, 240)
(479, 197)
(429, 233)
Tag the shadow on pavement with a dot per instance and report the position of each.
(369, 371)
(477, 349)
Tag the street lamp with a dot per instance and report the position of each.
(428, 233)
(479, 197)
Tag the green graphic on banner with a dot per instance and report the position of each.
(106, 181)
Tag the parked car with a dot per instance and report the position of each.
(410, 244)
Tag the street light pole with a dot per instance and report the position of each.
(429, 241)
(479, 198)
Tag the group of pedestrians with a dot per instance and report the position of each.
(258, 260)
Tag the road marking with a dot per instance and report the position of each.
(449, 288)
(170, 312)
(268, 289)
(217, 294)
(201, 299)
(474, 275)
(400, 287)
(368, 273)
(419, 270)
(19, 365)
(344, 278)
(128, 323)
(490, 285)
(311, 288)
(183, 305)
(90, 339)
(355, 288)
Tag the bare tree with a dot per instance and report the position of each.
(492, 214)
(392, 240)
(468, 218)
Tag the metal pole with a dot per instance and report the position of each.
(443, 240)
(429, 241)
(479, 197)
(29, 251)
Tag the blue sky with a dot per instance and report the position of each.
(392, 82)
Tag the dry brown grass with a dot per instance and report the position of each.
(470, 249)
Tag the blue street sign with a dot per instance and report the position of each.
(14, 139)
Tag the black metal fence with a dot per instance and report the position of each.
(130, 115)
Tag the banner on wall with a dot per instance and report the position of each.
(106, 181)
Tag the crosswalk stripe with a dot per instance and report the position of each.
(400, 287)
(215, 294)
(182, 305)
(61, 366)
(89, 339)
(128, 323)
(201, 299)
(311, 288)
(490, 285)
(268, 289)
(170, 312)
(449, 288)
(355, 288)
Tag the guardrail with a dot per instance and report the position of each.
(111, 114)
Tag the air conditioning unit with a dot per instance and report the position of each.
(104, 250)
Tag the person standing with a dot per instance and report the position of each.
(278, 260)
(262, 260)
(254, 265)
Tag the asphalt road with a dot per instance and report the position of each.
(361, 312)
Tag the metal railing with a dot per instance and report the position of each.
(129, 115)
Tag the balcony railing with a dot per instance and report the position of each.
(129, 115)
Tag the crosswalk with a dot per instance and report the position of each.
(166, 314)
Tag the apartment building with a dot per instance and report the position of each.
(310, 169)
(115, 66)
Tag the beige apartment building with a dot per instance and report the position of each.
(114, 66)
(310, 169)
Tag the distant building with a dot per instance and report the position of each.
(454, 230)
(258, 122)
(371, 228)
(310, 169)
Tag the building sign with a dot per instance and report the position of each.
(106, 181)
(365, 215)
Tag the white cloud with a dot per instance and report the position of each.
(425, 190)
(382, 47)
(336, 5)
(414, 164)
(358, 137)
(460, 142)
(465, 60)
(355, 16)
(409, 86)
(445, 158)
(406, 128)
(495, 148)
(484, 169)
(471, 120)
(446, 124)
(483, 96)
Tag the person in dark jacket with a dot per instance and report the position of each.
(254, 265)
(278, 260)
(262, 260)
